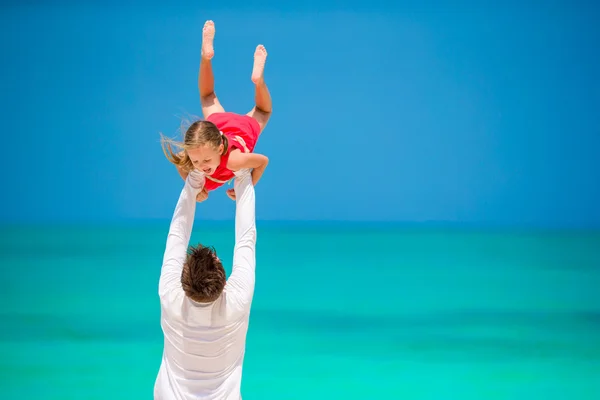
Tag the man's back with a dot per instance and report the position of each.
(203, 351)
(204, 343)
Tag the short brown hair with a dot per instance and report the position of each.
(203, 276)
(198, 134)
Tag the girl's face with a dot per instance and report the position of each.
(206, 158)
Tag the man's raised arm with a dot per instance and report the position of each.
(179, 235)
(241, 281)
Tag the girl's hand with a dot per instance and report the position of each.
(231, 194)
(202, 195)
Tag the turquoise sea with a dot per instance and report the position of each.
(340, 312)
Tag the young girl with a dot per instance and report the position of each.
(224, 142)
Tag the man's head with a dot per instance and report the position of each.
(203, 276)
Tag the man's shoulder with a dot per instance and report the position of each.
(171, 302)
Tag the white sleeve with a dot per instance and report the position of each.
(241, 282)
(179, 235)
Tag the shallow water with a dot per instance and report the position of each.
(352, 311)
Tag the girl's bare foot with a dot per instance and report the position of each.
(208, 36)
(260, 58)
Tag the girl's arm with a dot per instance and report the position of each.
(258, 162)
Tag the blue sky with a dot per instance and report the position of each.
(462, 113)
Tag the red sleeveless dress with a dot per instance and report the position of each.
(242, 132)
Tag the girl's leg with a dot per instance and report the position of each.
(264, 105)
(206, 80)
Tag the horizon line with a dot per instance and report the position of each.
(440, 224)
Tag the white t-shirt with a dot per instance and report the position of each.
(204, 344)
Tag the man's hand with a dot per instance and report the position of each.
(231, 194)
(202, 195)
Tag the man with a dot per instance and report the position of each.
(204, 317)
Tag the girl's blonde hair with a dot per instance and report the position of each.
(198, 134)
